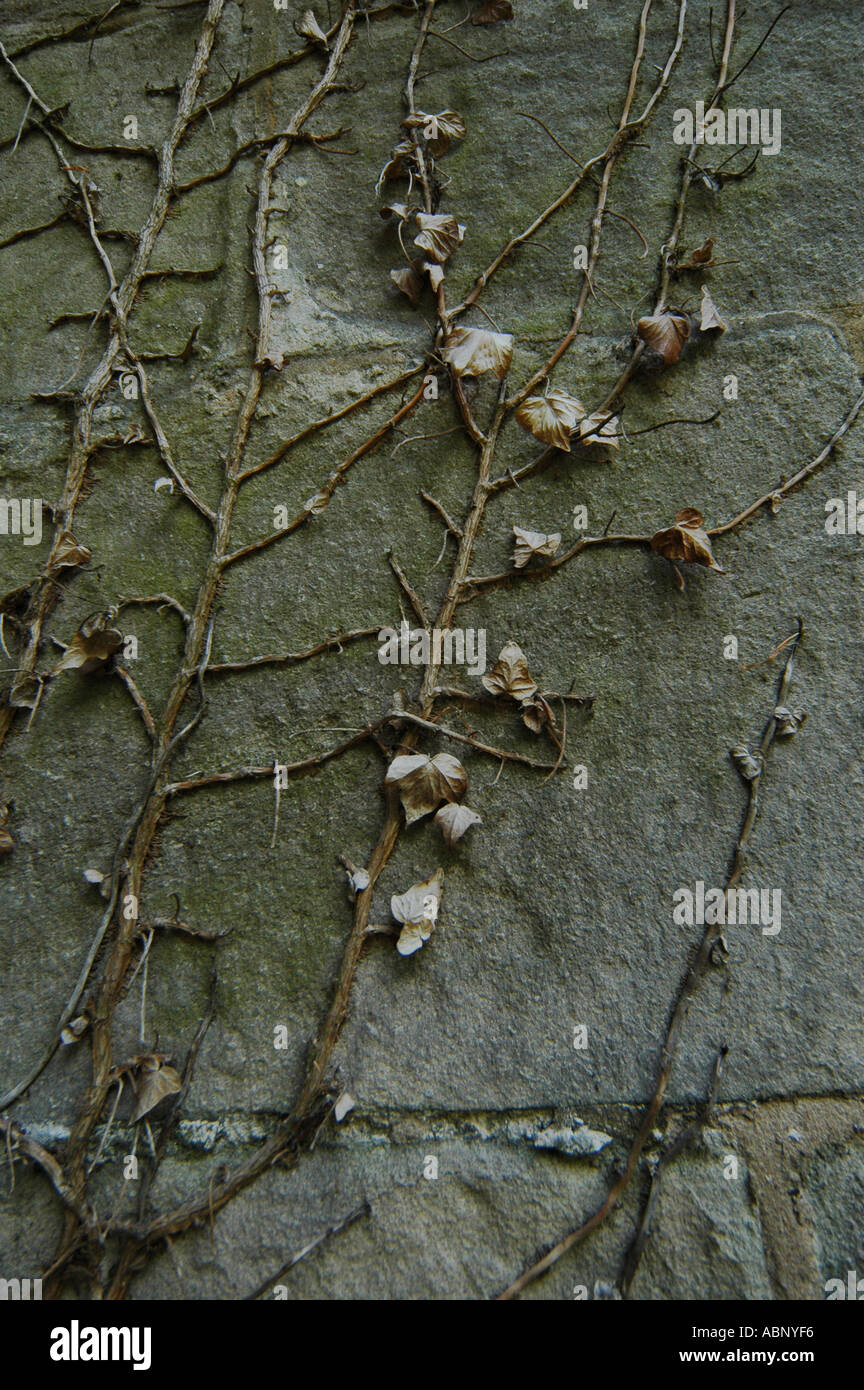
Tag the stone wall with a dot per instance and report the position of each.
(556, 925)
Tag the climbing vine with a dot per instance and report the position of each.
(465, 384)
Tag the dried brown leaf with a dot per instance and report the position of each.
(409, 282)
(308, 27)
(599, 429)
(473, 351)
(417, 911)
(536, 713)
(687, 541)
(531, 543)
(439, 234)
(749, 764)
(92, 647)
(492, 11)
(68, 554)
(700, 258)
(550, 418)
(156, 1080)
(424, 782)
(454, 820)
(709, 317)
(665, 333)
(443, 126)
(510, 674)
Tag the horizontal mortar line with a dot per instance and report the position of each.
(53, 1132)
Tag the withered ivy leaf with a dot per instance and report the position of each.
(409, 282)
(788, 721)
(492, 10)
(395, 166)
(68, 554)
(308, 27)
(156, 1080)
(7, 844)
(599, 429)
(454, 820)
(550, 418)
(417, 910)
(443, 125)
(510, 674)
(74, 1030)
(702, 256)
(536, 714)
(435, 273)
(439, 234)
(358, 879)
(94, 876)
(709, 317)
(424, 782)
(473, 351)
(400, 210)
(748, 764)
(687, 541)
(531, 543)
(665, 333)
(92, 647)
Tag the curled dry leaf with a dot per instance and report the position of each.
(665, 333)
(709, 317)
(703, 256)
(7, 844)
(398, 210)
(454, 820)
(395, 166)
(417, 911)
(473, 351)
(492, 11)
(687, 541)
(424, 782)
(94, 876)
(92, 647)
(156, 1080)
(599, 429)
(409, 282)
(550, 418)
(358, 879)
(74, 1030)
(68, 554)
(164, 482)
(788, 721)
(308, 27)
(409, 278)
(439, 234)
(442, 127)
(537, 713)
(748, 764)
(531, 543)
(510, 674)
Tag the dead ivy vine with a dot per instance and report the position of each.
(417, 782)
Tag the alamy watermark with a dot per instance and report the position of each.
(419, 647)
(738, 126)
(21, 516)
(728, 907)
